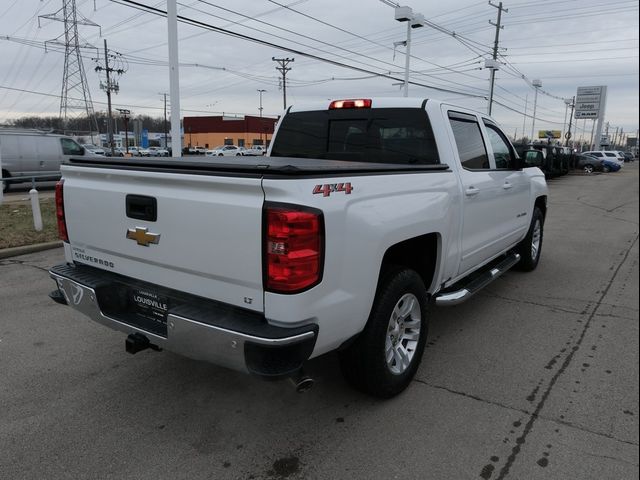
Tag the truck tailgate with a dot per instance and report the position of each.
(208, 229)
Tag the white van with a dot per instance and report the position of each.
(33, 152)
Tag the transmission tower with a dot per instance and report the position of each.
(75, 98)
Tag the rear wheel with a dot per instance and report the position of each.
(531, 247)
(385, 357)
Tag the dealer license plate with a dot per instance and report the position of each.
(150, 305)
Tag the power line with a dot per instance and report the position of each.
(207, 26)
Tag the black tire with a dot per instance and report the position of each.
(364, 363)
(588, 169)
(530, 256)
(606, 169)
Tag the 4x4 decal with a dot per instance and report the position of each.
(329, 188)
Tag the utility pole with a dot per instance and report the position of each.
(111, 85)
(494, 65)
(261, 91)
(536, 85)
(567, 135)
(524, 117)
(174, 78)
(125, 114)
(166, 145)
(283, 69)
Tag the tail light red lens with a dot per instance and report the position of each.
(293, 248)
(62, 224)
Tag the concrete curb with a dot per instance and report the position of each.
(38, 247)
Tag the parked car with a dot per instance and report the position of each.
(255, 150)
(158, 152)
(610, 165)
(607, 154)
(117, 152)
(628, 156)
(587, 163)
(94, 148)
(134, 151)
(143, 152)
(197, 150)
(37, 153)
(225, 151)
(590, 164)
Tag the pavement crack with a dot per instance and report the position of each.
(555, 308)
(23, 263)
(567, 361)
(472, 397)
(525, 412)
(595, 455)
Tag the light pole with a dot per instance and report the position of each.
(414, 20)
(536, 84)
(260, 91)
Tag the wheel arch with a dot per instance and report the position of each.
(419, 253)
(541, 203)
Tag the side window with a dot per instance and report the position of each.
(69, 147)
(473, 153)
(500, 146)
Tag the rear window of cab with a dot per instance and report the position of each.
(376, 135)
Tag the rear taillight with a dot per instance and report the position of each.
(293, 248)
(62, 224)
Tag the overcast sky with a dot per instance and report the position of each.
(564, 43)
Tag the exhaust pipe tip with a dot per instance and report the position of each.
(302, 382)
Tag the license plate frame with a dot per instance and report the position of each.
(150, 305)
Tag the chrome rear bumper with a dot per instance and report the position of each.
(192, 331)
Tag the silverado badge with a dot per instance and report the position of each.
(142, 236)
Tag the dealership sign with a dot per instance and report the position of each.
(590, 101)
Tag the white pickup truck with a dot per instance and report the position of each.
(363, 213)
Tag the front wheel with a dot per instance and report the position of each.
(531, 247)
(588, 169)
(383, 360)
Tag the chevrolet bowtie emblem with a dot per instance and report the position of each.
(142, 236)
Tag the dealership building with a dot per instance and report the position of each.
(210, 132)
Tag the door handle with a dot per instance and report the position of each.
(507, 186)
(471, 191)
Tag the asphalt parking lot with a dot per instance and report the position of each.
(534, 378)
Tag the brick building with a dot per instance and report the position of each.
(209, 132)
